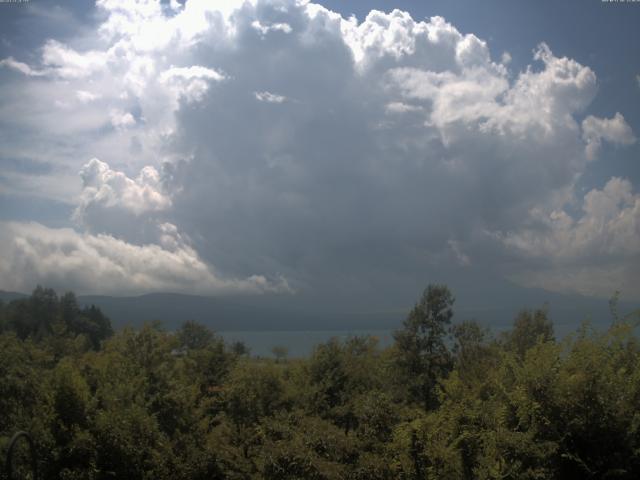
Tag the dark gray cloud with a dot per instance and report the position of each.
(278, 140)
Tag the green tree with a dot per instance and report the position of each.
(3, 317)
(75, 451)
(338, 372)
(194, 335)
(280, 352)
(529, 328)
(95, 324)
(472, 352)
(296, 446)
(43, 315)
(253, 391)
(422, 354)
(34, 316)
(240, 349)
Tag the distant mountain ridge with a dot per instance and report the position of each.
(264, 313)
(229, 313)
(9, 296)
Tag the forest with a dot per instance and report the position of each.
(447, 400)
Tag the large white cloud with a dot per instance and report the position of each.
(609, 225)
(63, 258)
(109, 188)
(595, 254)
(614, 130)
(279, 137)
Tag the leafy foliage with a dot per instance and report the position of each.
(422, 354)
(441, 402)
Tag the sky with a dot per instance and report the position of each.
(340, 150)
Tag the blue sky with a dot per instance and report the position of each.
(285, 148)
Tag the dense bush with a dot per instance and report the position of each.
(442, 402)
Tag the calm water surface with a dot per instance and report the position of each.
(301, 343)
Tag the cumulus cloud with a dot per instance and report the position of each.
(89, 263)
(403, 135)
(594, 280)
(85, 97)
(112, 188)
(539, 104)
(399, 107)
(61, 61)
(275, 27)
(190, 82)
(163, 260)
(121, 119)
(609, 225)
(602, 244)
(111, 202)
(23, 68)
(396, 36)
(67, 63)
(614, 130)
(269, 97)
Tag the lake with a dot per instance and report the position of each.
(300, 343)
